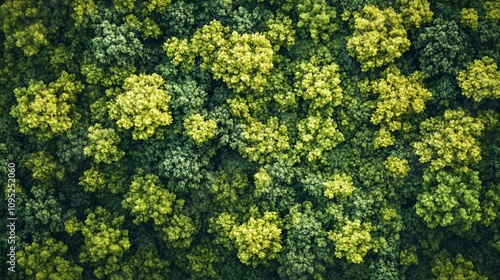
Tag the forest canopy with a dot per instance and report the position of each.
(251, 139)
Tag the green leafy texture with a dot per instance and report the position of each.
(204, 261)
(450, 199)
(179, 231)
(492, 9)
(44, 210)
(305, 253)
(228, 187)
(440, 47)
(379, 37)
(146, 263)
(109, 178)
(408, 257)
(318, 85)
(415, 12)
(317, 135)
(105, 242)
(280, 32)
(258, 240)
(184, 166)
(81, 9)
(102, 145)
(46, 261)
(199, 129)
(445, 266)
(469, 18)
(480, 80)
(397, 167)
(317, 17)
(23, 25)
(341, 186)
(46, 111)
(266, 142)
(142, 106)
(44, 167)
(242, 61)
(352, 240)
(147, 199)
(115, 45)
(399, 99)
(450, 140)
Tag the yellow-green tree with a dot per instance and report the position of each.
(450, 140)
(47, 111)
(415, 12)
(399, 98)
(199, 129)
(379, 37)
(257, 240)
(47, 261)
(143, 106)
(147, 199)
(102, 145)
(352, 240)
(480, 80)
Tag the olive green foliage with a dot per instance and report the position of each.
(469, 18)
(242, 61)
(258, 239)
(379, 37)
(102, 145)
(143, 106)
(198, 129)
(415, 12)
(104, 240)
(450, 140)
(447, 267)
(450, 199)
(352, 240)
(147, 200)
(44, 110)
(235, 139)
(440, 48)
(480, 80)
(317, 16)
(44, 167)
(340, 185)
(23, 25)
(398, 97)
(46, 260)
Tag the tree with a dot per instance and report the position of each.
(47, 111)
(480, 80)
(198, 129)
(257, 240)
(399, 98)
(147, 199)
(379, 37)
(46, 260)
(450, 199)
(24, 26)
(440, 47)
(415, 12)
(142, 105)
(352, 240)
(102, 145)
(105, 242)
(446, 267)
(318, 17)
(44, 167)
(450, 140)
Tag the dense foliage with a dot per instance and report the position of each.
(252, 139)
